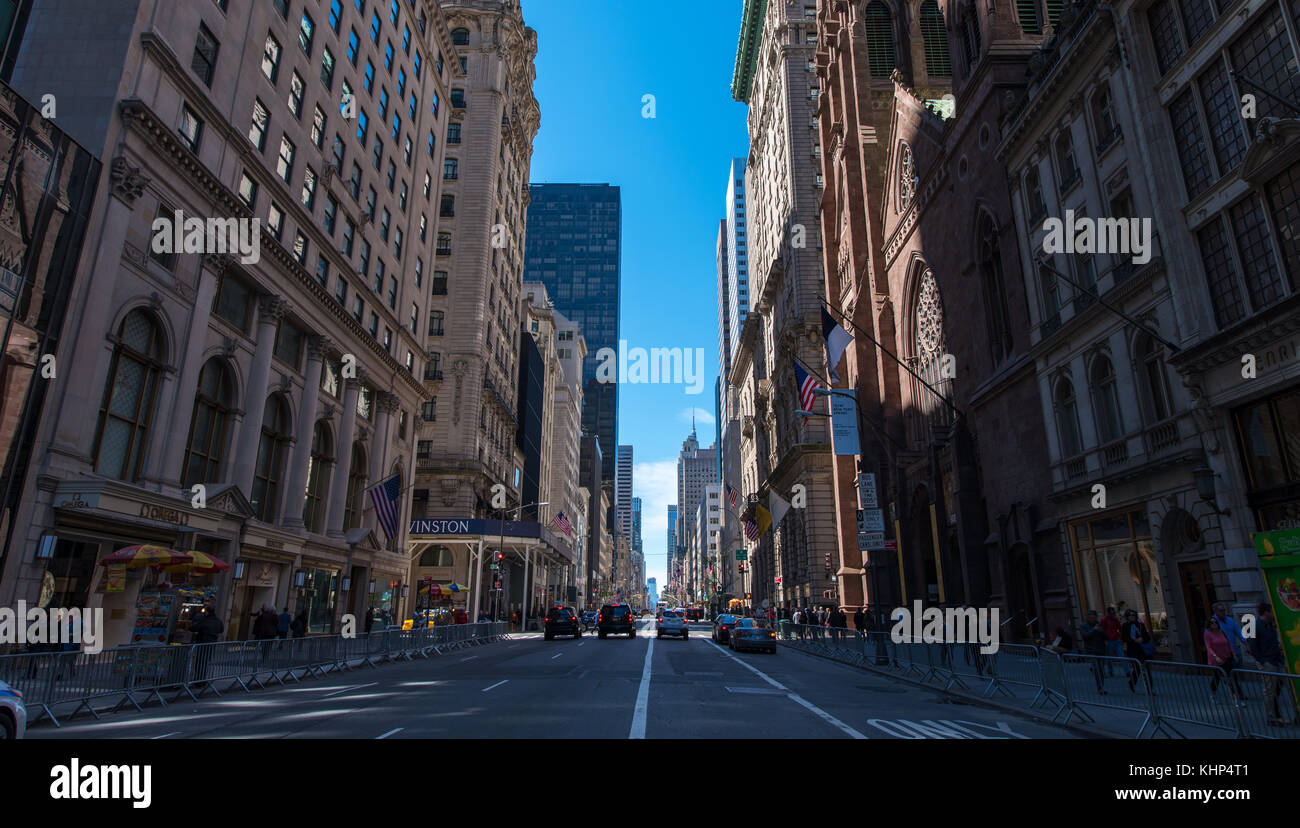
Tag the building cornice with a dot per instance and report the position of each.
(751, 35)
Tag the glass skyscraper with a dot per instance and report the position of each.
(573, 244)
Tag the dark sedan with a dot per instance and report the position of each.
(561, 621)
(722, 627)
(753, 634)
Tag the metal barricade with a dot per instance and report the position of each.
(1077, 679)
(1015, 665)
(1191, 694)
(1272, 700)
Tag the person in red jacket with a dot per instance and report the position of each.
(461, 617)
(1218, 653)
(1114, 647)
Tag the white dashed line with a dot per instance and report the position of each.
(165, 735)
(346, 689)
(642, 696)
(498, 684)
(391, 732)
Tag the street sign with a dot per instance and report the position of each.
(872, 541)
(844, 422)
(891, 546)
(867, 490)
(742, 554)
(871, 520)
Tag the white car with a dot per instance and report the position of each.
(672, 622)
(13, 714)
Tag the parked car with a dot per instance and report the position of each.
(561, 621)
(752, 634)
(13, 713)
(617, 619)
(722, 627)
(672, 622)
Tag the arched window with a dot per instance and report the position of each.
(937, 63)
(436, 556)
(129, 396)
(318, 469)
(460, 36)
(928, 359)
(356, 485)
(1067, 419)
(880, 39)
(1027, 11)
(1034, 195)
(209, 423)
(995, 295)
(270, 458)
(1103, 117)
(1152, 355)
(1066, 166)
(970, 38)
(1105, 399)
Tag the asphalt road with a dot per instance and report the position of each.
(617, 688)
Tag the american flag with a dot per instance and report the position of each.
(563, 522)
(807, 384)
(384, 496)
(751, 529)
(732, 494)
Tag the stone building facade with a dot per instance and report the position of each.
(283, 380)
(775, 75)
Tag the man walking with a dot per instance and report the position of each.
(266, 627)
(207, 629)
(1114, 647)
(1229, 627)
(1266, 649)
(1094, 644)
(838, 622)
(282, 627)
(860, 620)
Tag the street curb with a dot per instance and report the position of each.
(1082, 730)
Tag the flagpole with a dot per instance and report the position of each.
(890, 354)
(879, 428)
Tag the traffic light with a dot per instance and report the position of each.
(742, 567)
(496, 584)
(501, 556)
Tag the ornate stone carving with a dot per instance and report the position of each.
(228, 346)
(286, 384)
(317, 347)
(450, 486)
(217, 262)
(1207, 420)
(328, 411)
(271, 308)
(459, 368)
(387, 402)
(135, 255)
(127, 182)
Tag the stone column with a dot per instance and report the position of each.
(270, 309)
(385, 405)
(80, 369)
(291, 517)
(343, 468)
(211, 266)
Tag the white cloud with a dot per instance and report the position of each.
(655, 482)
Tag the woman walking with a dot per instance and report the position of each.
(1218, 653)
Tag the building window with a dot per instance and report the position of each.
(190, 128)
(288, 344)
(354, 182)
(453, 133)
(331, 210)
(322, 269)
(1165, 36)
(341, 291)
(363, 126)
(295, 94)
(209, 422)
(444, 244)
(435, 323)
(1152, 357)
(356, 485)
(166, 260)
(1283, 194)
(306, 31)
(275, 221)
(368, 80)
(460, 37)
(429, 413)
(318, 469)
(1034, 196)
(1189, 140)
(935, 37)
(1105, 399)
(282, 6)
(1114, 558)
(204, 62)
(458, 98)
(448, 206)
(1066, 166)
(1067, 419)
(450, 169)
(261, 120)
(374, 28)
(247, 190)
(1051, 296)
(388, 57)
(439, 284)
(270, 459)
(1103, 118)
(309, 188)
(271, 58)
(327, 68)
(353, 44)
(233, 301)
(129, 397)
(419, 271)
(929, 350)
(997, 314)
(284, 164)
(1027, 12)
(300, 248)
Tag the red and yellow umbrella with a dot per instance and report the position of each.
(145, 555)
(201, 562)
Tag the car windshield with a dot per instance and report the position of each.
(752, 623)
(726, 619)
(616, 612)
(562, 613)
(672, 614)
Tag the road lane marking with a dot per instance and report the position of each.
(165, 735)
(498, 684)
(795, 697)
(471, 658)
(642, 696)
(557, 655)
(391, 732)
(346, 689)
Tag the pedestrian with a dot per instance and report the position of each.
(798, 623)
(1063, 642)
(1266, 649)
(1137, 644)
(1114, 647)
(282, 625)
(838, 622)
(299, 624)
(266, 626)
(207, 629)
(71, 646)
(860, 620)
(1218, 653)
(370, 619)
(1094, 645)
(1231, 630)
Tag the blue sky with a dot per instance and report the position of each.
(596, 61)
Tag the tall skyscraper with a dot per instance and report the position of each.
(636, 526)
(696, 469)
(573, 247)
(737, 257)
(672, 541)
(623, 492)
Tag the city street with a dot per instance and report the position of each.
(531, 688)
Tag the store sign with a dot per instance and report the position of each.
(475, 526)
(262, 574)
(164, 514)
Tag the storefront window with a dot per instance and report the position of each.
(1268, 433)
(67, 575)
(317, 597)
(1115, 566)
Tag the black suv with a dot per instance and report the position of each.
(615, 618)
(561, 621)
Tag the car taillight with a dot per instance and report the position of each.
(548, 620)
